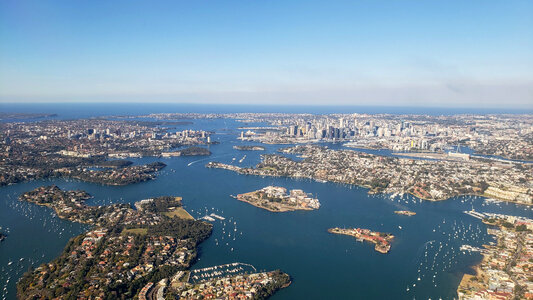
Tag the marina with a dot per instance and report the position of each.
(207, 273)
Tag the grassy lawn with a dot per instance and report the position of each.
(141, 231)
(180, 213)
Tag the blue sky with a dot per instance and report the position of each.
(428, 53)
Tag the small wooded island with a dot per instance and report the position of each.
(276, 199)
(380, 239)
(191, 151)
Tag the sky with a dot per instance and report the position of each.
(391, 53)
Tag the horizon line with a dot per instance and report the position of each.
(516, 109)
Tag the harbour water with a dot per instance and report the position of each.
(425, 260)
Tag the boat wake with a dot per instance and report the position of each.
(208, 158)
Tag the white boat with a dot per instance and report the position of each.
(217, 216)
(208, 218)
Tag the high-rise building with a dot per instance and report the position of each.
(293, 130)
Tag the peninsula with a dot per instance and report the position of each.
(128, 253)
(276, 199)
(381, 240)
(72, 148)
(505, 270)
(424, 179)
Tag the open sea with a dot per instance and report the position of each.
(424, 261)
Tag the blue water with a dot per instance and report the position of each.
(322, 265)
(85, 110)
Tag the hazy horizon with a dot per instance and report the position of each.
(475, 54)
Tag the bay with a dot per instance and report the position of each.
(322, 265)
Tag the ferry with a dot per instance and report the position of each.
(405, 212)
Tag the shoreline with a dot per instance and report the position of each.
(271, 210)
(279, 199)
(371, 191)
(171, 243)
(495, 273)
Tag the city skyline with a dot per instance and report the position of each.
(438, 54)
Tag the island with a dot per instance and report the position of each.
(193, 151)
(505, 270)
(381, 240)
(249, 148)
(276, 199)
(405, 213)
(130, 253)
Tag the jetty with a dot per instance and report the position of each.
(208, 218)
(217, 216)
